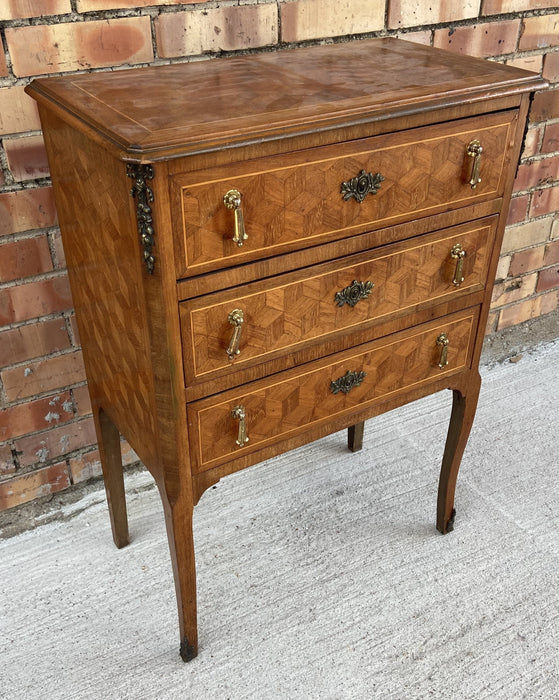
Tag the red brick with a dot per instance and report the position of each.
(34, 299)
(548, 279)
(550, 141)
(491, 39)
(545, 201)
(24, 258)
(82, 400)
(410, 13)
(55, 443)
(18, 111)
(216, 29)
(40, 414)
(88, 465)
(27, 342)
(75, 331)
(417, 37)
(3, 66)
(551, 67)
(79, 45)
(526, 261)
(59, 257)
(21, 9)
(532, 142)
(28, 487)
(526, 235)
(531, 63)
(510, 290)
(537, 173)
(85, 467)
(96, 5)
(518, 208)
(7, 465)
(551, 256)
(27, 158)
(531, 308)
(539, 32)
(545, 106)
(497, 7)
(491, 322)
(26, 209)
(313, 19)
(43, 375)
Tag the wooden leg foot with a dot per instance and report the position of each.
(187, 651)
(463, 411)
(355, 436)
(108, 437)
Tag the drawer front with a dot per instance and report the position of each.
(277, 409)
(291, 201)
(242, 327)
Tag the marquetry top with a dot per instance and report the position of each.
(188, 107)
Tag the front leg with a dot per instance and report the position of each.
(464, 406)
(178, 519)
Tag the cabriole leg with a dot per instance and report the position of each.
(463, 412)
(108, 437)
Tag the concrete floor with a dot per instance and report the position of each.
(320, 573)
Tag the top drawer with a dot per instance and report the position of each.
(308, 197)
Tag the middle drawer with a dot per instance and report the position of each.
(247, 325)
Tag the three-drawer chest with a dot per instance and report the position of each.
(269, 248)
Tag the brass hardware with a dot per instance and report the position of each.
(236, 319)
(474, 151)
(443, 342)
(354, 293)
(346, 383)
(143, 194)
(361, 185)
(239, 413)
(232, 200)
(458, 253)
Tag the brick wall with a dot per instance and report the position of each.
(47, 441)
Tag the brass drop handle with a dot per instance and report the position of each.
(236, 318)
(443, 342)
(474, 151)
(232, 200)
(239, 413)
(458, 253)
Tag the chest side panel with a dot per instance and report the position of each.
(103, 255)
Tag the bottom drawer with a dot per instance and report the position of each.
(231, 424)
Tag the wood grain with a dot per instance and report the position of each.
(291, 202)
(276, 409)
(287, 313)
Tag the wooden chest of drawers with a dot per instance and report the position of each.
(270, 248)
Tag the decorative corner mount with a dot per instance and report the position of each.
(143, 194)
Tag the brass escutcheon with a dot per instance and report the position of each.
(346, 383)
(354, 293)
(361, 185)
